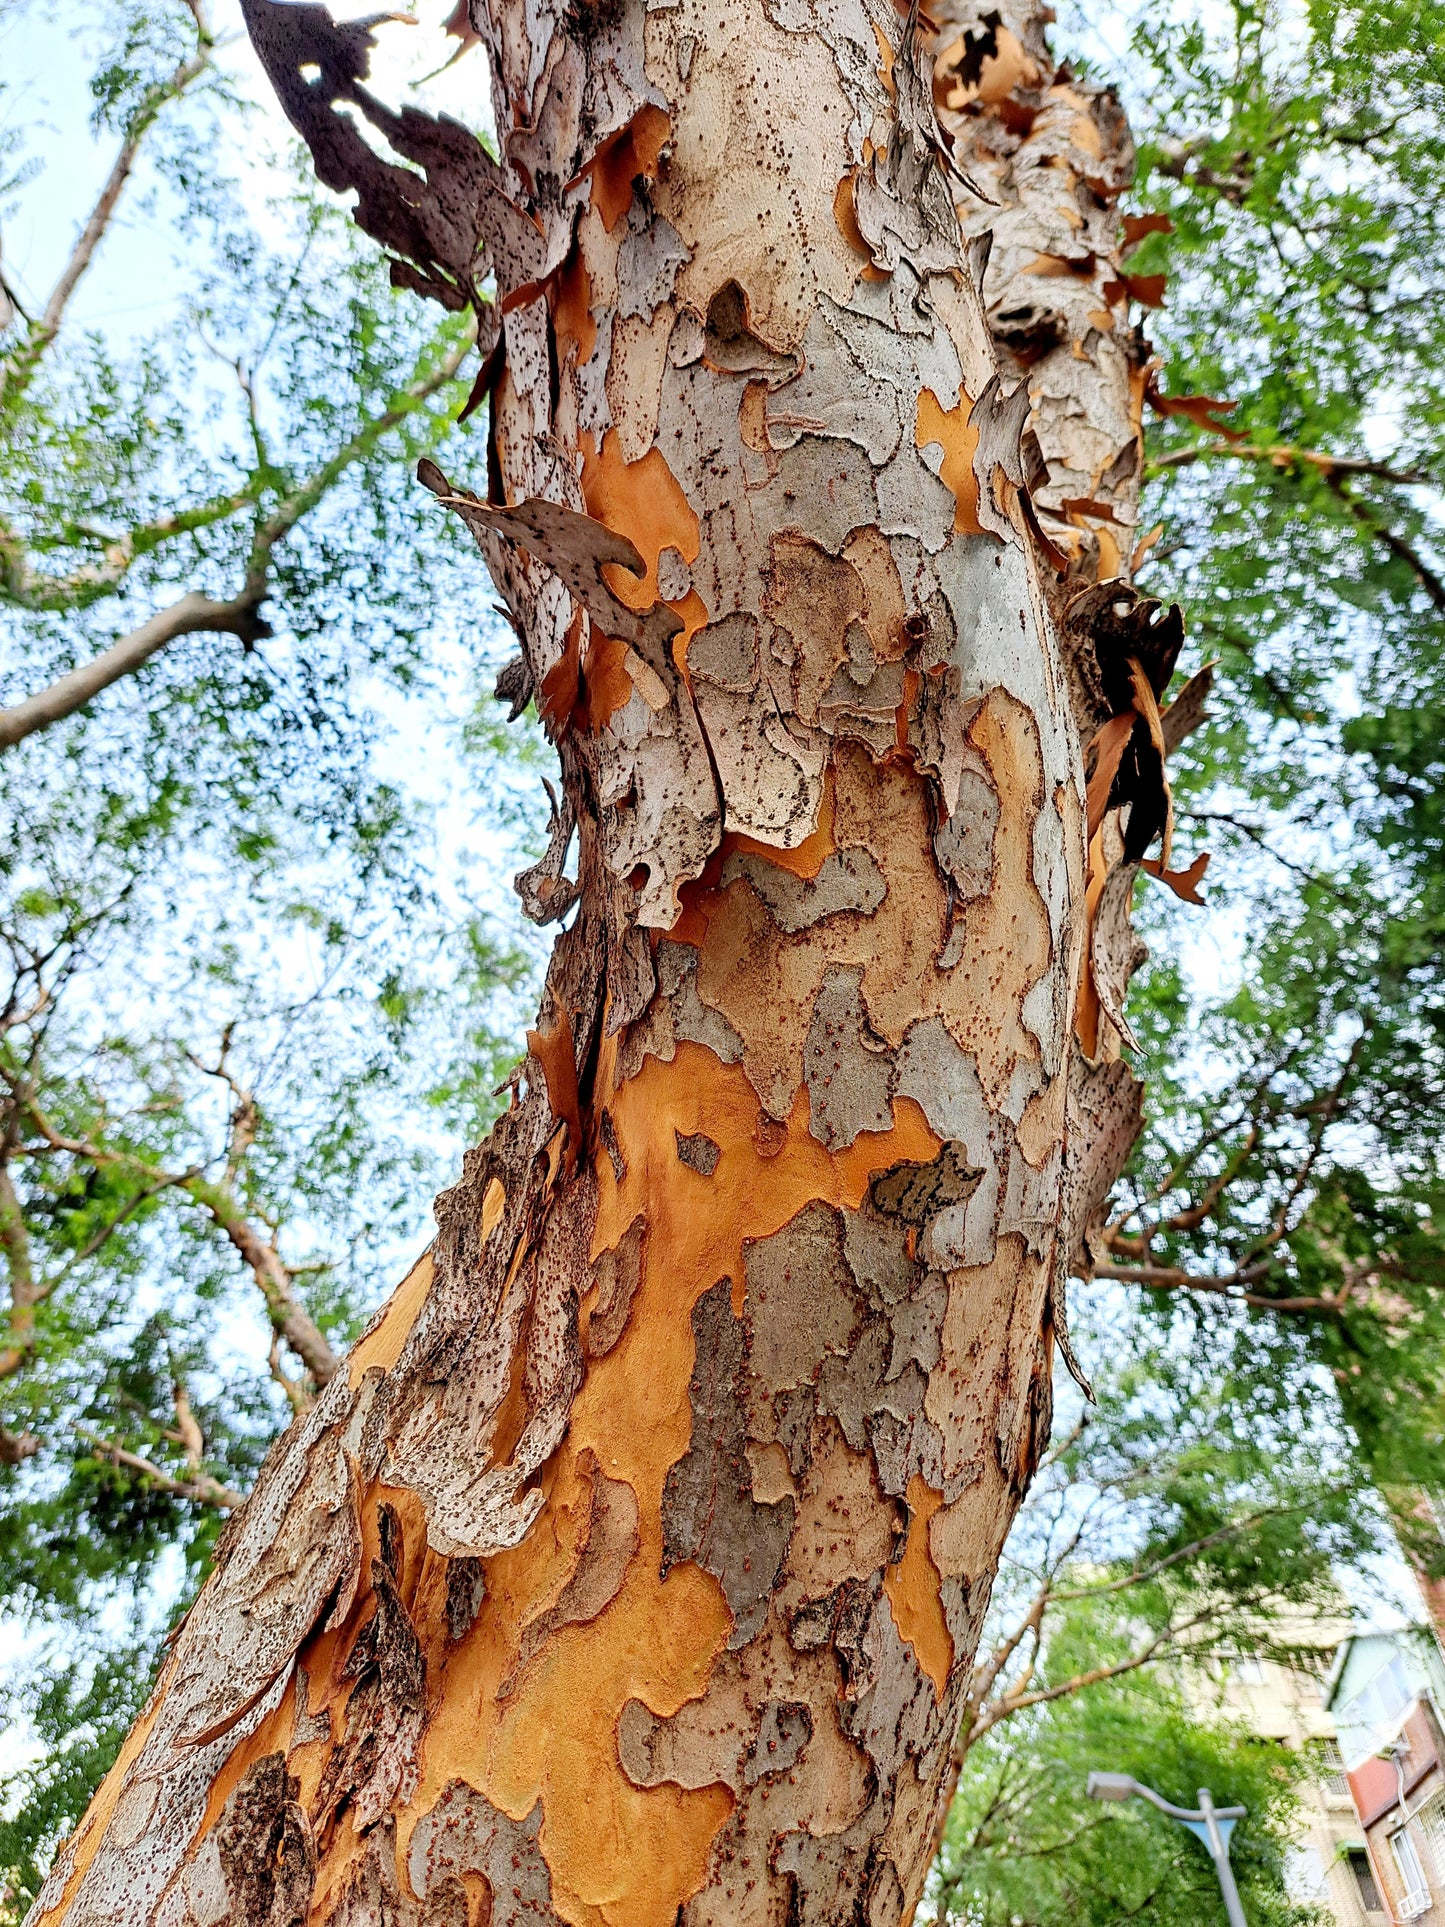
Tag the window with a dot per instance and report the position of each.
(1332, 1771)
(1365, 1880)
(1416, 1897)
(1378, 1705)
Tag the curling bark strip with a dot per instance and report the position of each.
(630, 1572)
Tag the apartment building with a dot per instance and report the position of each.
(1330, 1866)
(1385, 1694)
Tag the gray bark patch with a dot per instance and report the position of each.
(699, 1153)
(918, 1192)
(785, 1729)
(964, 844)
(847, 1066)
(801, 1301)
(464, 1833)
(709, 1513)
(846, 880)
(678, 1015)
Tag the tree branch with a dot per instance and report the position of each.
(200, 1486)
(191, 615)
(1173, 1278)
(303, 499)
(195, 613)
(1286, 455)
(1396, 544)
(24, 1289)
(1143, 1575)
(1010, 1703)
(287, 1314)
(45, 594)
(19, 365)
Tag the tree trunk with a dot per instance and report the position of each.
(631, 1571)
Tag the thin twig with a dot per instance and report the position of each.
(19, 365)
(1396, 544)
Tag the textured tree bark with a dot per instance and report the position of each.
(631, 1571)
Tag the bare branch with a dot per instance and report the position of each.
(192, 615)
(288, 1315)
(1143, 1575)
(1172, 1641)
(303, 499)
(51, 594)
(16, 1447)
(24, 1288)
(187, 1433)
(1261, 841)
(294, 1388)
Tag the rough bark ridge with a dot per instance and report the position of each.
(630, 1572)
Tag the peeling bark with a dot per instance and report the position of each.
(631, 1570)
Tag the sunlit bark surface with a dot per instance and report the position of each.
(630, 1572)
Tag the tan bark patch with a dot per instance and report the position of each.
(913, 1586)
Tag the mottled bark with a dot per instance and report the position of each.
(631, 1572)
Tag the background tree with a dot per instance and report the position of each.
(1169, 1530)
(1168, 1525)
(1289, 1180)
(1022, 1844)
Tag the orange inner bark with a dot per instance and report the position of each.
(619, 1855)
(958, 438)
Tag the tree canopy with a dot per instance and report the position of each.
(1291, 1161)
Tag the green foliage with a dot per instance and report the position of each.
(1171, 1527)
(79, 1718)
(1283, 1213)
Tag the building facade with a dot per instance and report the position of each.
(1385, 1694)
(1329, 1867)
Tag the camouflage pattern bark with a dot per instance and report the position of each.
(631, 1571)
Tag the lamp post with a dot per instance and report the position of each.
(1209, 1823)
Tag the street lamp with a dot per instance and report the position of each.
(1209, 1823)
